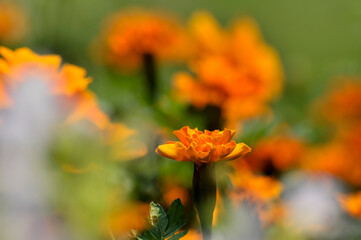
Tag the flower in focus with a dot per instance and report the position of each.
(12, 23)
(234, 70)
(203, 147)
(351, 204)
(130, 35)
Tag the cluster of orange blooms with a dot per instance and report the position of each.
(224, 59)
(219, 59)
(340, 107)
(129, 35)
(66, 82)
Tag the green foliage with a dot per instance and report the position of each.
(165, 225)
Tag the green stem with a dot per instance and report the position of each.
(204, 192)
(149, 66)
(214, 118)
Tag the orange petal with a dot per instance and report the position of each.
(239, 151)
(184, 136)
(4, 97)
(87, 108)
(227, 136)
(73, 80)
(171, 150)
(223, 150)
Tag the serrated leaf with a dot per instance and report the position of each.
(161, 221)
(175, 217)
(165, 225)
(178, 235)
(173, 229)
(175, 212)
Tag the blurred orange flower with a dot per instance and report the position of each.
(330, 158)
(67, 81)
(203, 147)
(235, 70)
(343, 103)
(192, 235)
(273, 213)
(12, 23)
(351, 204)
(128, 217)
(70, 84)
(172, 190)
(131, 34)
(340, 156)
(282, 152)
(250, 186)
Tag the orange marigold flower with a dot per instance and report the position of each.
(280, 153)
(273, 213)
(340, 157)
(250, 186)
(351, 204)
(203, 147)
(128, 217)
(192, 235)
(234, 70)
(66, 81)
(343, 103)
(12, 23)
(172, 190)
(131, 34)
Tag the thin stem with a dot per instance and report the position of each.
(150, 75)
(204, 192)
(214, 118)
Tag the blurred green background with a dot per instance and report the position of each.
(316, 39)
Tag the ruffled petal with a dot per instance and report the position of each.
(227, 135)
(223, 150)
(184, 135)
(239, 151)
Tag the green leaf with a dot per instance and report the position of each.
(175, 217)
(164, 225)
(160, 220)
(178, 235)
